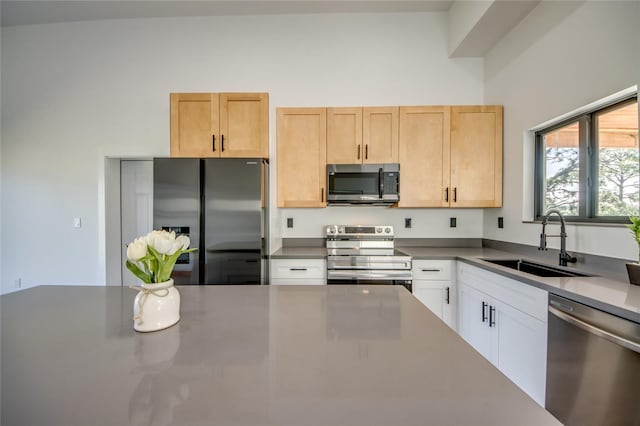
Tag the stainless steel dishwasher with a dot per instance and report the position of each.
(593, 366)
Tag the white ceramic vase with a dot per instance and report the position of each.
(156, 307)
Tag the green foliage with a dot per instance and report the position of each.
(634, 227)
(618, 181)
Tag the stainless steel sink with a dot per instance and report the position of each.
(537, 269)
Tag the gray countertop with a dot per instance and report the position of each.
(616, 297)
(247, 355)
(300, 253)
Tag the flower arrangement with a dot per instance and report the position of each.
(634, 227)
(153, 256)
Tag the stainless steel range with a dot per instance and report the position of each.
(358, 254)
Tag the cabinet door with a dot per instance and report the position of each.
(380, 134)
(301, 157)
(424, 156)
(522, 350)
(244, 125)
(474, 321)
(476, 156)
(344, 135)
(194, 125)
(431, 294)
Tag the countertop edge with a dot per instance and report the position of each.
(594, 303)
(476, 260)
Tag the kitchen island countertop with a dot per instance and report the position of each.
(247, 355)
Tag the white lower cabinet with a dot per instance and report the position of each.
(298, 272)
(506, 321)
(433, 285)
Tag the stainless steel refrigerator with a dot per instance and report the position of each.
(220, 203)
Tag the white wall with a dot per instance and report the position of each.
(432, 223)
(75, 93)
(562, 56)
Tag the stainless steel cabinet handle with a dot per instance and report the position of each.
(484, 311)
(492, 316)
(432, 270)
(618, 340)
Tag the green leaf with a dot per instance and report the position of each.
(164, 272)
(138, 273)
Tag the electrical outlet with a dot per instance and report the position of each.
(18, 283)
(407, 222)
(289, 222)
(500, 222)
(452, 222)
(77, 222)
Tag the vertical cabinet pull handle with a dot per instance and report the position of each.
(492, 316)
(446, 194)
(484, 311)
(213, 143)
(358, 151)
(455, 193)
(322, 195)
(447, 296)
(222, 142)
(366, 152)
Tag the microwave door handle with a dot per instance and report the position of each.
(380, 183)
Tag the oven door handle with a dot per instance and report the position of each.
(618, 340)
(361, 274)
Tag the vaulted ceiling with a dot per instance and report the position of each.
(474, 26)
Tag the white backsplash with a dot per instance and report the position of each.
(426, 223)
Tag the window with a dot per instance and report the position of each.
(588, 167)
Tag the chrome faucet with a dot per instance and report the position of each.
(564, 256)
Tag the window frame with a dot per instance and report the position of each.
(588, 162)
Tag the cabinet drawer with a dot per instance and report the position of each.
(432, 269)
(299, 269)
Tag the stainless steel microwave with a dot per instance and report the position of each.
(377, 184)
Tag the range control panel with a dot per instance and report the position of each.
(359, 230)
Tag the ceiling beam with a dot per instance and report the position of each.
(476, 26)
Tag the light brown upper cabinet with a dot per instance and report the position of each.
(380, 134)
(344, 135)
(424, 156)
(476, 156)
(301, 157)
(451, 156)
(362, 135)
(220, 125)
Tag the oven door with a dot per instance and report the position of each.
(370, 277)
